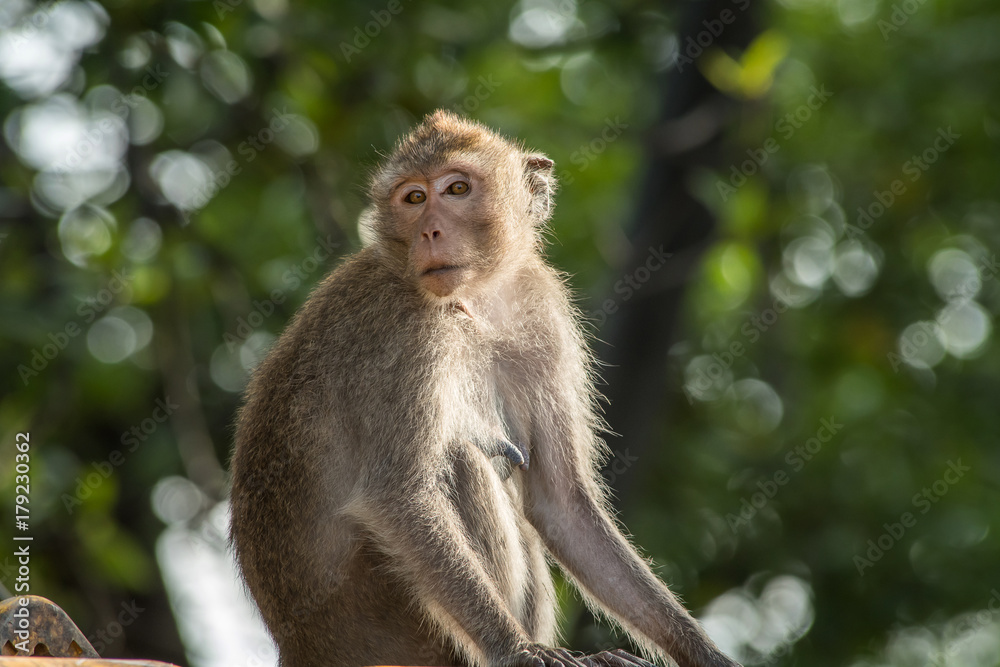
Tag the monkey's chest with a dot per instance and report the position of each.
(485, 400)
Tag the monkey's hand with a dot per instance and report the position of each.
(536, 655)
(615, 658)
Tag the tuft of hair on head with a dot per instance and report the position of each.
(439, 137)
(443, 134)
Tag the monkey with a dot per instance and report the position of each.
(423, 441)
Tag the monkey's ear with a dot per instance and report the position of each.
(539, 162)
(542, 184)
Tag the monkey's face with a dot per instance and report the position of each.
(442, 213)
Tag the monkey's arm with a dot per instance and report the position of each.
(566, 505)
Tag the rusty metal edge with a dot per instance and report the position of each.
(41, 661)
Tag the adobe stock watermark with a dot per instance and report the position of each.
(381, 18)
(923, 500)
(312, 602)
(252, 146)
(697, 44)
(900, 15)
(292, 279)
(586, 153)
(263, 654)
(785, 127)
(918, 337)
(87, 311)
(795, 460)
(619, 464)
(913, 342)
(224, 7)
(583, 156)
(631, 283)
(968, 626)
(155, 75)
(102, 639)
(482, 92)
(30, 24)
(913, 168)
(130, 440)
(782, 649)
(707, 375)
(122, 105)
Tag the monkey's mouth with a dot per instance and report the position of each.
(441, 270)
(444, 279)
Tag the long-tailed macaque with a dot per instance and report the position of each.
(423, 438)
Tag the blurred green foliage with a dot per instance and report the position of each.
(174, 177)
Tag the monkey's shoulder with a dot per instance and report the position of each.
(360, 322)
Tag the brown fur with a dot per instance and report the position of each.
(368, 519)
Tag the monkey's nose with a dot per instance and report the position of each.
(432, 235)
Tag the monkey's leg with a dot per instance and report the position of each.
(418, 527)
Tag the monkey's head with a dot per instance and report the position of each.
(456, 205)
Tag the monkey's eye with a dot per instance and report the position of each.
(415, 197)
(458, 188)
